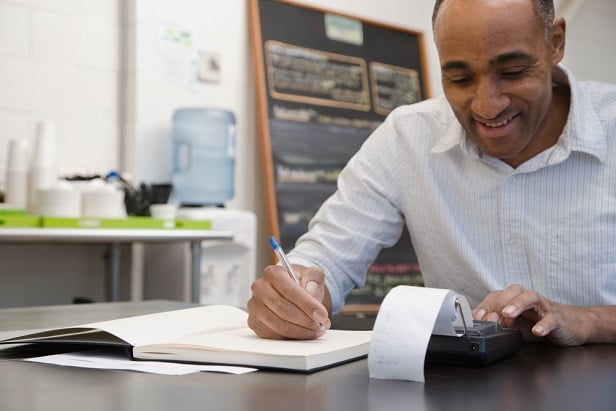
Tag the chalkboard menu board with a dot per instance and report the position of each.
(325, 81)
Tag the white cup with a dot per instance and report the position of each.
(42, 163)
(59, 200)
(44, 153)
(18, 155)
(17, 174)
(166, 212)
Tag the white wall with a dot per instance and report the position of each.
(60, 61)
(591, 31)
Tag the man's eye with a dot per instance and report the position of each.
(514, 73)
(460, 80)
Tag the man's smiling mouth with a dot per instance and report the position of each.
(499, 124)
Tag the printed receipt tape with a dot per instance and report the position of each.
(408, 316)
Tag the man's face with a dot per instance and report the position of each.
(496, 74)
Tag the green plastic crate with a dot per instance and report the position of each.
(14, 221)
(124, 223)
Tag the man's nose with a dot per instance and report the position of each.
(489, 100)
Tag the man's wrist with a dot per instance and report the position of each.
(600, 324)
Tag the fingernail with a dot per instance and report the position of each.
(480, 314)
(312, 287)
(510, 309)
(539, 330)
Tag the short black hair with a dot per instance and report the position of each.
(544, 10)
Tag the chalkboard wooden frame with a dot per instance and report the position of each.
(301, 55)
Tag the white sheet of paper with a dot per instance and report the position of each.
(406, 320)
(104, 359)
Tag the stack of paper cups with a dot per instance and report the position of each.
(17, 174)
(43, 163)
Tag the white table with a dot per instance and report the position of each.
(114, 238)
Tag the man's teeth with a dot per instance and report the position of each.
(502, 123)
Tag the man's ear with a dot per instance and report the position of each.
(557, 40)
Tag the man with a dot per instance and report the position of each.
(507, 186)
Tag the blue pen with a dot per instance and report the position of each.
(285, 263)
(283, 259)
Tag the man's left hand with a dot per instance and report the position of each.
(536, 316)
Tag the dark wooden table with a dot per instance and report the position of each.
(538, 377)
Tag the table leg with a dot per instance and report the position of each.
(196, 271)
(114, 272)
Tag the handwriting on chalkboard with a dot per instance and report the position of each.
(317, 77)
(393, 86)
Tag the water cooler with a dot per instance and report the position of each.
(227, 269)
(203, 156)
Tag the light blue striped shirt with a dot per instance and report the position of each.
(477, 224)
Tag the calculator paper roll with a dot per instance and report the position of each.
(408, 316)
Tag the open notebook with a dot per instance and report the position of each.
(215, 334)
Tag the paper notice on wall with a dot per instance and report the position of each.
(178, 53)
(408, 316)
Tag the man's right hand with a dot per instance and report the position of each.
(280, 308)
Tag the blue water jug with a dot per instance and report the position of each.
(203, 156)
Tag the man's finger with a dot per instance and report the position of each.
(490, 309)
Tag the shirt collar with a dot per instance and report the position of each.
(453, 133)
(582, 131)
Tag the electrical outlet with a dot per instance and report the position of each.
(209, 67)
